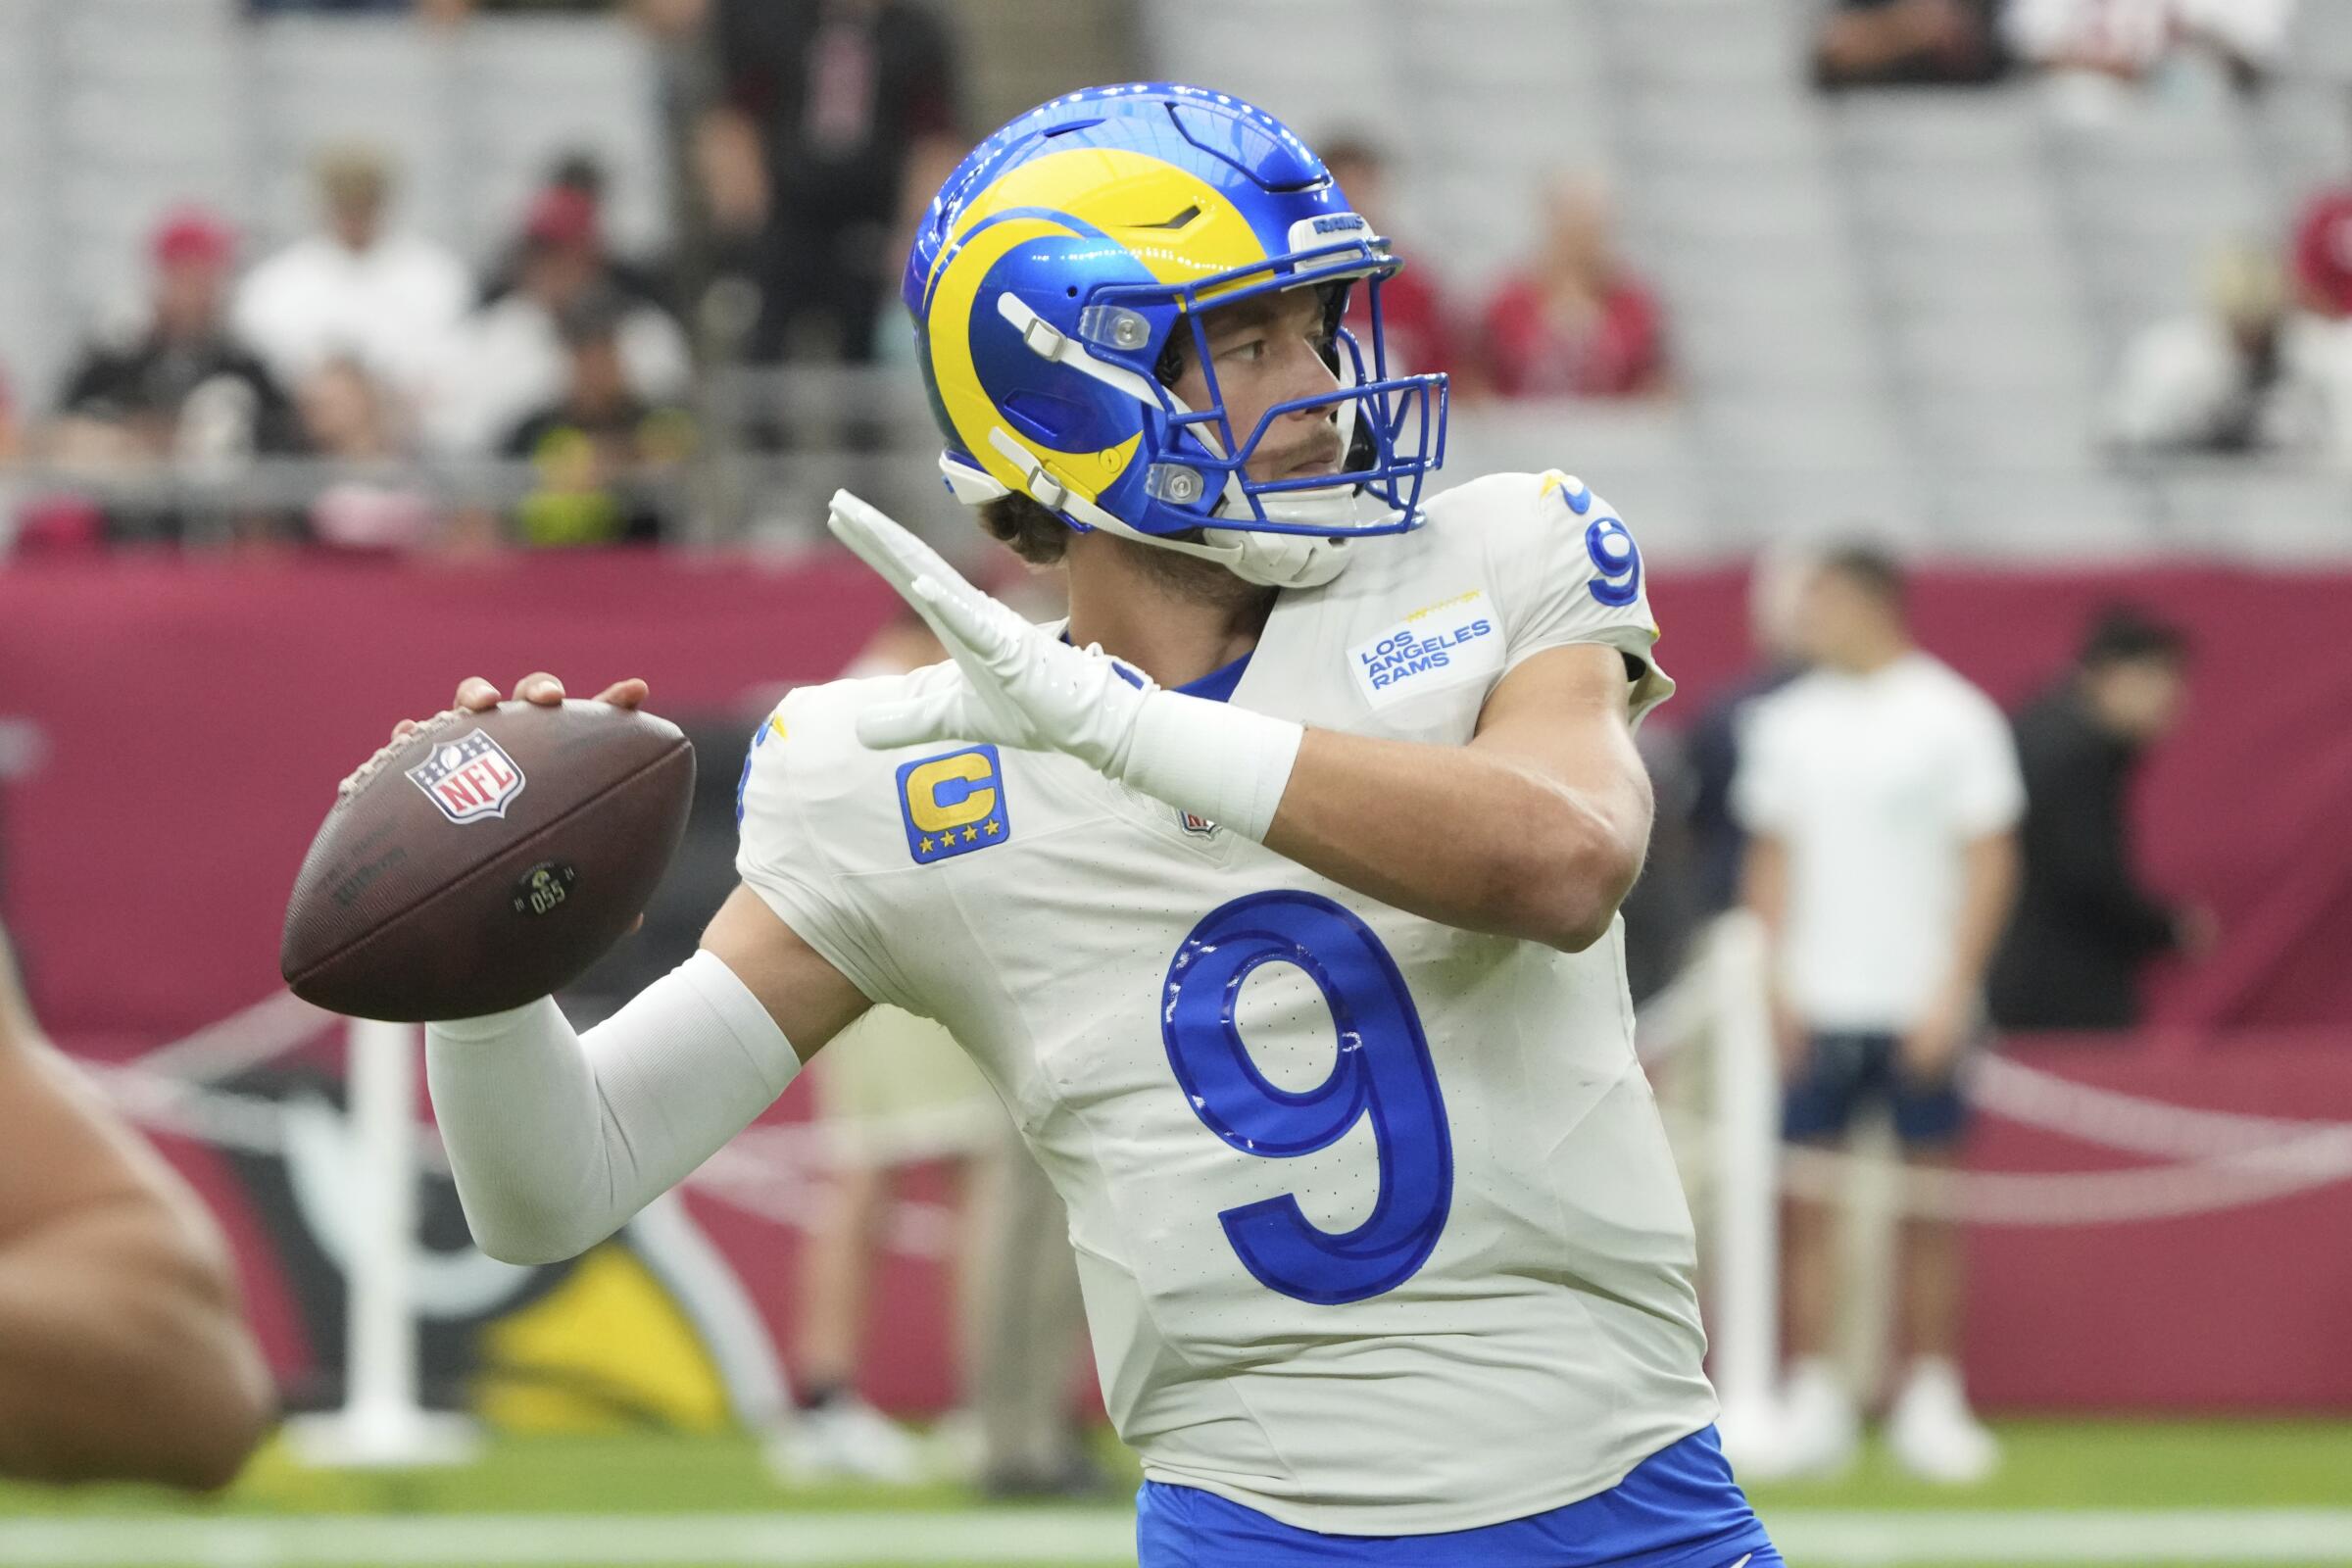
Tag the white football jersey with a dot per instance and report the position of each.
(1379, 1230)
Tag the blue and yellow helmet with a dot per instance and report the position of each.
(1051, 277)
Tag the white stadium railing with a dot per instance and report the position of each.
(1714, 1017)
(382, 1423)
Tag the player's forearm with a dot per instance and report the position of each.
(123, 1355)
(527, 1135)
(1472, 838)
(555, 1139)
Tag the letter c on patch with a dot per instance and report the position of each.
(950, 791)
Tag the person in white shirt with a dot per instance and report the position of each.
(508, 359)
(1882, 796)
(895, 1092)
(2128, 40)
(2246, 374)
(355, 292)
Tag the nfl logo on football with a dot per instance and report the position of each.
(468, 778)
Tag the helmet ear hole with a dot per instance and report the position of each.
(1042, 417)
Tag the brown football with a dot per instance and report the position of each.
(488, 860)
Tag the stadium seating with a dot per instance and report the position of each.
(1886, 307)
(112, 111)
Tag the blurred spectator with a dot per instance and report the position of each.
(1661, 913)
(36, 524)
(1881, 797)
(1776, 588)
(183, 386)
(730, 173)
(273, 6)
(671, 18)
(2246, 375)
(1413, 318)
(345, 418)
(355, 291)
(580, 176)
(2322, 256)
(344, 415)
(905, 1094)
(928, 167)
(703, 244)
(1576, 323)
(829, 102)
(1883, 44)
(2083, 926)
(1026, 1330)
(438, 11)
(901, 1095)
(508, 361)
(2097, 45)
(600, 446)
(11, 520)
(459, 10)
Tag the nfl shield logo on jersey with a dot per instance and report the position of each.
(468, 778)
(1193, 823)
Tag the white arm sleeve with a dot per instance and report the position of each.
(556, 1138)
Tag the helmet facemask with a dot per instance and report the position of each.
(1391, 428)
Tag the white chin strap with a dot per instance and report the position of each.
(1268, 560)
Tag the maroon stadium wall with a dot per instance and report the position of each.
(194, 718)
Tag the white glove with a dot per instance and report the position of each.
(1023, 687)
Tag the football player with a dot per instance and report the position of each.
(1275, 892)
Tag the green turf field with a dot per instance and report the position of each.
(2071, 1494)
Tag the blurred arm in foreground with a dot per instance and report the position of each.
(122, 1353)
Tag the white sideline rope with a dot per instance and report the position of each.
(248, 1125)
(2075, 1197)
(767, 1171)
(2115, 1120)
(2221, 1159)
(247, 1038)
(2217, 1159)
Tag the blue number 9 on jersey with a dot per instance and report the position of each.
(1616, 563)
(1383, 1071)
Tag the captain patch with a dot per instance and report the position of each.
(1440, 645)
(954, 804)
